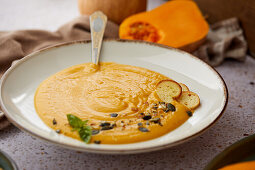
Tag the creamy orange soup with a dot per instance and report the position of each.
(95, 93)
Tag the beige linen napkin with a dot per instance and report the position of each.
(225, 40)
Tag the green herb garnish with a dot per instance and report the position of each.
(81, 127)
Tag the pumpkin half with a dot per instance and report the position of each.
(177, 23)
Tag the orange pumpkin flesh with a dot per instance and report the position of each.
(240, 166)
(177, 23)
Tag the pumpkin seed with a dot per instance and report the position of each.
(147, 117)
(155, 120)
(54, 122)
(189, 113)
(140, 124)
(95, 131)
(170, 107)
(97, 141)
(106, 128)
(113, 114)
(58, 130)
(105, 124)
(143, 129)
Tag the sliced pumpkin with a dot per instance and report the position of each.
(177, 23)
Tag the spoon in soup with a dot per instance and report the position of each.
(97, 26)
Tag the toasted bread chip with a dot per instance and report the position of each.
(167, 90)
(184, 87)
(189, 99)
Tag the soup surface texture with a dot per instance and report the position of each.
(122, 95)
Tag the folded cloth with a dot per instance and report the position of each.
(225, 40)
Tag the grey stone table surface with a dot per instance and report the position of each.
(237, 122)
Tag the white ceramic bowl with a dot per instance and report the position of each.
(21, 80)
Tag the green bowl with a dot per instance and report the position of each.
(6, 163)
(241, 151)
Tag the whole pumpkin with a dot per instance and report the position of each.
(116, 10)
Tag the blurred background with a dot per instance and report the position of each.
(42, 14)
(50, 14)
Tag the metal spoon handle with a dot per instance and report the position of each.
(97, 26)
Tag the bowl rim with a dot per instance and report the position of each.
(227, 152)
(110, 150)
(9, 160)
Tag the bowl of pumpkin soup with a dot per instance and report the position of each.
(141, 97)
(119, 103)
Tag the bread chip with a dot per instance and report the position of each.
(167, 90)
(189, 99)
(184, 87)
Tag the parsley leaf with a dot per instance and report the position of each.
(74, 121)
(85, 133)
(77, 124)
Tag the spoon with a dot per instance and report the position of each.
(97, 26)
